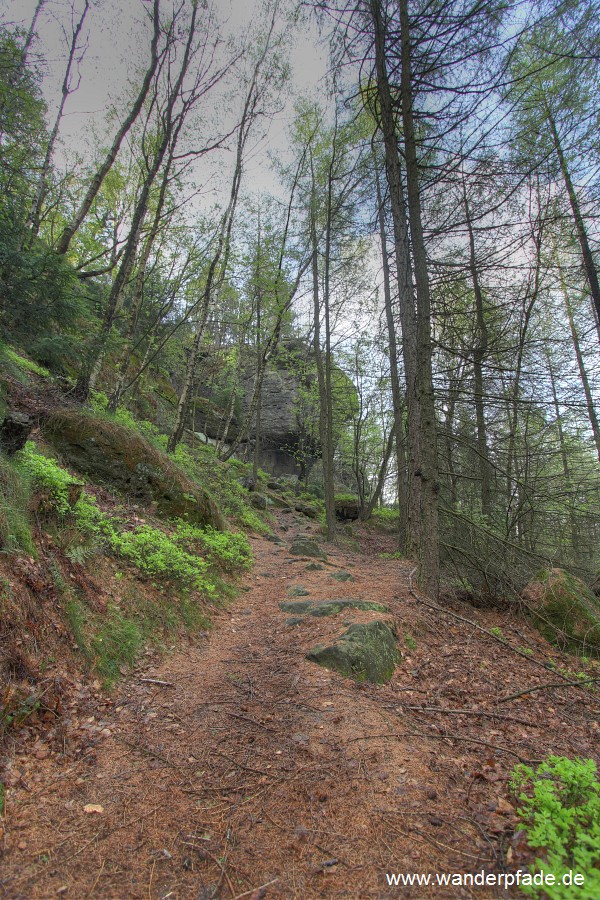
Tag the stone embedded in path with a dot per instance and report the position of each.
(342, 576)
(315, 567)
(329, 607)
(364, 652)
(304, 546)
(298, 590)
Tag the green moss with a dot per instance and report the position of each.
(567, 613)
(364, 652)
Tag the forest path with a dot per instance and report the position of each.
(255, 773)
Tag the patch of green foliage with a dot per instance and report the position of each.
(27, 365)
(45, 473)
(385, 518)
(227, 550)
(395, 555)
(410, 641)
(15, 491)
(158, 555)
(559, 805)
(115, 645)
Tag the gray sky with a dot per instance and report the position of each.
(118, 37)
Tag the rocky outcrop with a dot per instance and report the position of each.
(347, 509)
(565, 611)
(288, 408)
(107, 452)
(14, 431)
(363, 652)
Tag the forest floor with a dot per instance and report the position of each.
(237, 768)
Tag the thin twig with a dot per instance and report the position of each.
(543, 687)
(255, 890)
(474, 712)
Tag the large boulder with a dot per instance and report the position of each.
(565, 611)
(365, 652)
(347, 509)
(107, 452)
(304, 546)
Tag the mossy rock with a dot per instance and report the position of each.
(107, 452)
(297, 590)
(364, 652)
(565, 611)
(304, 546)
(307, 510)
(258, 501)
(314, 567)
(342, 576)
(330, 607)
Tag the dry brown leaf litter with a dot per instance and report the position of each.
(239, 769)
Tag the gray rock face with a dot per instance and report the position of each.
(290, 442)
(364, 652)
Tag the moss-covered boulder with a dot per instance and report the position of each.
(565, 611)
(304, 546)
(107, 452)
(329, 607)
(298, 590)
(342, 576)
(364, 652)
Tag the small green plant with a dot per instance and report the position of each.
(58, 485)
(410, 641)
(228, 550)
(526, 650)
(157, 555)
(559, 804)
(395, 555)
(116, 645)
(497, 632)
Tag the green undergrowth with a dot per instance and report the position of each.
(20, 365)
(559, 806)
(202, 465)
(189, 568)
(385, 518)
(15, 492)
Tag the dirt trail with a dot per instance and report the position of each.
(254, 773)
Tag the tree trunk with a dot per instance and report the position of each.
(88, 379)
(428, 572)
(585, 382)
(404, 278)
(397, 398)
(96, 183)
(586, 251)
(479, 354)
